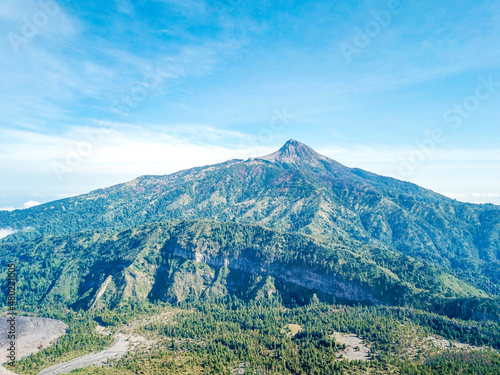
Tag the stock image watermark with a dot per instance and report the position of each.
(139, 93)
(83, 149)
(462, 111)
(32, 26)
(11, 306)
(278, 123)
(363, 36)
(123, 106)
(454, 118)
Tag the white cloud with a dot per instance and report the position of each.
(457, 196)
(126, 151)
(30, 204)
(26, 205)
(59, 66)
(4, 232)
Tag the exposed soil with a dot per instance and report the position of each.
(125, 342)
(32, 335)
(442, 343)
(355, 349)
(292, 329)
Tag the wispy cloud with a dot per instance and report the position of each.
(416, 49)
(4, 232)
(55, 80)
(125, 151)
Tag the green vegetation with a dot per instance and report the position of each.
(221, 336)
(308, 194)
(186, 261)
(239, 251)
(472, 363)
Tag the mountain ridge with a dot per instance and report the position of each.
(178, 261)
(294, 190)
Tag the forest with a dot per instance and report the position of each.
(268, 337)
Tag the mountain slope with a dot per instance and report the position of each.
(293, 190)
(177, 261)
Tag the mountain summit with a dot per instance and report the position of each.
(299, 154)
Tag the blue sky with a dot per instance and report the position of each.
(99, 92)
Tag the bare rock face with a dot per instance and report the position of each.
(32, 335)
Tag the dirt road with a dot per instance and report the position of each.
(116, 351)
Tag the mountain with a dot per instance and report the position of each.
(396, 226)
